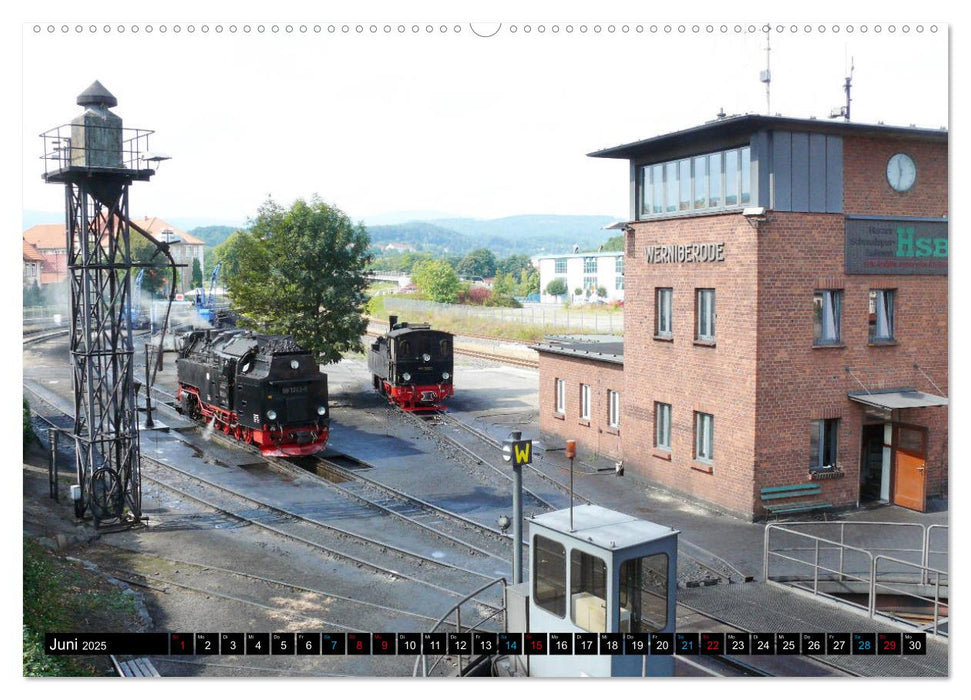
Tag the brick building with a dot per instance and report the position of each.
(785, 316)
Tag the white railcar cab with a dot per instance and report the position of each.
(610, 572)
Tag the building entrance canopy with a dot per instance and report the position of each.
(898, 398)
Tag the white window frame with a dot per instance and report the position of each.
(662, 426)
(613, 408)
(821, 427)
(704, 436)
(705, 327)
(830, 320)
(559, 263)
(585, 395)
(882, 302)
(560, 396)
(667, 293)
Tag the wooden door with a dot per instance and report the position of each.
(910, 464)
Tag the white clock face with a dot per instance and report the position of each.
(901, 172)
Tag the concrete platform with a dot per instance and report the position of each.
(762, 607)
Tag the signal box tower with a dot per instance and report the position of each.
(96, 160)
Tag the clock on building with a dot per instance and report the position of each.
(901, 172)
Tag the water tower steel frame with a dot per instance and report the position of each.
(97, 160)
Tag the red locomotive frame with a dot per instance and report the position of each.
(272, 443)
(410, 398)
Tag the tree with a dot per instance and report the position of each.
(556, 287)
(614, 244)
(227, 253)
(144, 252)
(437, 280)
(196, 273)
(481, 262)
(301, 272)
(516, 264)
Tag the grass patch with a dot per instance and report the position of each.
(61, 596)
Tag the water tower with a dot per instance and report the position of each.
(96, 159)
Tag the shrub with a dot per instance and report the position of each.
(29, 435)
(556, 287)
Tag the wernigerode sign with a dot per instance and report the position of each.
(688, 252)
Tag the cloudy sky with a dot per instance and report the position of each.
(380, 121)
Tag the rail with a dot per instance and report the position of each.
(422, 661)
(829, 558)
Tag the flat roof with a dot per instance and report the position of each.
(745, 124)
(608, 253)
(602, 348)
(897, 398)
(604, 528)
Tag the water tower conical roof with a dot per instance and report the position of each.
(97, 94)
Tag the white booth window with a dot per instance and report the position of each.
(588, 591)
(644, 594)
(549, 578)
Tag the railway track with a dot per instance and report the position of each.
(358, 549)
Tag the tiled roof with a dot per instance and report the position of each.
(155, 226)
(31, 254)
(46, 236)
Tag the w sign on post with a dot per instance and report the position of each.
(522, 452)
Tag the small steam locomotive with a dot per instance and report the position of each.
(263, 390)
(411, 365)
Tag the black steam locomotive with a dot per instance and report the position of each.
(411, 365)
(263, 390)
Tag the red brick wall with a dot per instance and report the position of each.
(865, 187)
(719, 380)
(594, 436)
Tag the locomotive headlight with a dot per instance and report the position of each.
(321, 410)
(271, 414)
(406, 377)
(426, 357)
(294, 364)
(445, 375)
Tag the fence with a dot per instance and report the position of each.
(554, 318)
(808, 561)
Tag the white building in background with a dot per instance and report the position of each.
(584, 271)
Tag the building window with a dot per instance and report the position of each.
(619, 265)
(731, 178)
(881, 315)
(662, 426)
(613, 409)
(584, 402)
(671, 191)
(559, 267)
(619, 284)
(657, 183)
(706, 315)
(560, 396)
(589, 266)
(644, 594)
(588, 591)
(746, 155)
(704, 436)
(662, 315)
(549, 579)
(822, 443)
(684, 180)
(714, 180)
(590, 282)
(827, 305)
(701, 182)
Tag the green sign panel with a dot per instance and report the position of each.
(896, 247)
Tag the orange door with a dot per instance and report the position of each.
(910, 467)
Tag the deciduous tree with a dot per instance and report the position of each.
(301, 272)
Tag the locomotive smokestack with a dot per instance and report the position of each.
(392, 322)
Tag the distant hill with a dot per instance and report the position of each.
(528, 234)
(214, 235)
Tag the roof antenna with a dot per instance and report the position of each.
(765, 76)
(845, 110)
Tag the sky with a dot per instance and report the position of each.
(380, 122)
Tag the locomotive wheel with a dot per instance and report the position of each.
(190, 405)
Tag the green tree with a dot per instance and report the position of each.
(196, 273)
(556, 287)
(529, 282)
(301, 272)
(516, 264)
(614, 244)
(437, 280)
(481, 262)
(227, 253)
(505, 285)
(144, 252)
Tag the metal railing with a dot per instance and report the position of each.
(422, 661)
(127, 150)
(833, 560)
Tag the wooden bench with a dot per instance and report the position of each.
(137, 668)
(774, 493)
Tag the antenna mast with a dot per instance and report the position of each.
(766, 77)
(844, 111)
